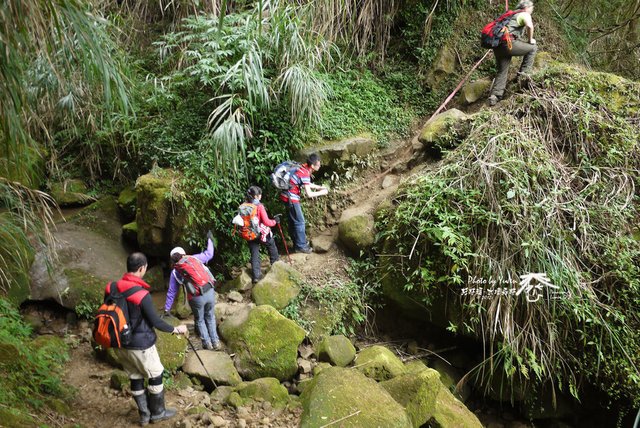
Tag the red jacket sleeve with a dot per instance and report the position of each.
(264, 218)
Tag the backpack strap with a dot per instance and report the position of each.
(130, 292)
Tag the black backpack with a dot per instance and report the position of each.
(496, 32)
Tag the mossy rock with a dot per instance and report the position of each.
(379, 363)
(337, 350)
(234, 400)
(337, 154)
(84, 289)
(182, 381)
(119, 380)
(218, 364)
(127, 203)
(101, 217)
(241, 282)
(197, 410)
(319, 367)
(70, 193)
(160, 214)
(320, 319)
(357, 232)
(450, 377)
(473, 91)
(444, 65)
(221, 394)
(264, 389)
(130, 232)
(426, 399)
(415, 366)
(155, 278)
(265, 343)
(278, 287)
(172, 348)
(338, 393)
(438, 127)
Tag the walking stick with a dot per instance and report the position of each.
(285, 242)
(201, 362)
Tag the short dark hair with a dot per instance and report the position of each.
(135, 261)
(253, 192)
(313, 159)
(175, 257)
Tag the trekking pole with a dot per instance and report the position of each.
(201, 362)
(285, 243)
(455, 91)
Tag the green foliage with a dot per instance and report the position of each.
(547, 185)
(30, 370)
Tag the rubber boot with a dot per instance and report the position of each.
(158, 411)
(143, 408)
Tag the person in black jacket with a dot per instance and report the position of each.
(140, 359)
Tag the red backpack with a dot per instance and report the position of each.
(497, 32)
(195, 275)
(111, 327)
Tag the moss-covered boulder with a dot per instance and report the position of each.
(160, 214)
(321, 319)
(127, 203)
(356, 231)
(336, 155)
(379, 363)
(172, 348)
(426, 399)
(415, 366)
(438, 127)
(119, 380)
(241, 282)
(101, 217)
(449, 376)
(70, 193)
(473, 91)
(278, 287)
(130, 232)
(265, 343)
(338, 393)
(444, 65)
(337, 350)
(264, 389)
(218, 364)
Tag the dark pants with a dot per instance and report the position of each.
(296, 226)
(503, 60)
(254, 247)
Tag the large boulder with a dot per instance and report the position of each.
(218, 364)
(473, 91)
(356, 230)
(265, 343)
(438, 126)
(278, 287)
(337, 350)
(449, 376)
(242, 282)
(127, 203)
(172, 348)
(427, 400)
(443, 67)
(345, 395)
(337, 154)
(71, 193)
(379, 363)
(264, 389)
(161, 218)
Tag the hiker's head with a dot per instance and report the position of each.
(314, 161)
(137, 264)
(254, 192)
(176, 254)
(527, 5)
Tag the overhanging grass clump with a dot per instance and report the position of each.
(546, 184)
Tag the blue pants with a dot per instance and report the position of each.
(296, 226)
(202, 307)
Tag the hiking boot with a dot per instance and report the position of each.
(217, 345)
(158, 411)
(492, 100)
(208, 346)
(306, 250)
(143, 408)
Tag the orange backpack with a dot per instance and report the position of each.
(111, 327)
(251, 228)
